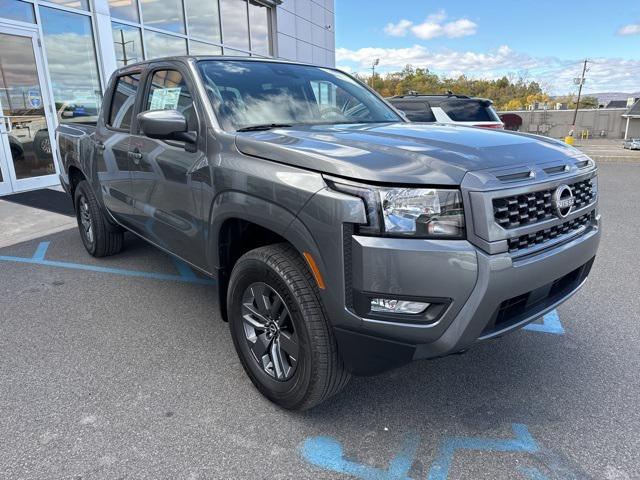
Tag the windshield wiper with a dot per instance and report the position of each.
(266, 126)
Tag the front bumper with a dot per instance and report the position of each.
(486, 295)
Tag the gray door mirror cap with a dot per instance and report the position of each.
(165, 125)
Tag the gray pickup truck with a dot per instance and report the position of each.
(344, 239)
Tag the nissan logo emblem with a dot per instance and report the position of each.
(563, 200)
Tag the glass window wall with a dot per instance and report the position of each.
(235, 23)
(127, 42)
(125, 10)
(163, 14)
(199, 48)
(161, 45)
(79, 4)
(203, 19)
(259, 24)
(16, 10)
(73, 69)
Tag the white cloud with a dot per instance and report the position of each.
(460, 28)
(631, 29)
(433, 26)
(399, 29)
(604, 74)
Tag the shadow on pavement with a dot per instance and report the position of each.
(44, 199)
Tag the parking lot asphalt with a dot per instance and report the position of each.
(121, 368)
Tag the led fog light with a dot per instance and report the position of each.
(388, 305)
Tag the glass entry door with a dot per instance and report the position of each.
(26, 127)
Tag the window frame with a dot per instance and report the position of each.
(147, 79)
(111, 96)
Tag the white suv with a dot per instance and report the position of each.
(458, 109)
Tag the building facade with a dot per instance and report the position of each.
(56, 57)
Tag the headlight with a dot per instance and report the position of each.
(409, 212)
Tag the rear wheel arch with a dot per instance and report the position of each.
(75, 177)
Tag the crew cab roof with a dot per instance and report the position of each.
(193, 58)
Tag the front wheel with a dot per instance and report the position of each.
(99, 237)
(280, 330)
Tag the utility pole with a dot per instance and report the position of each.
(575, 113)
(123, 45)
(373, 69)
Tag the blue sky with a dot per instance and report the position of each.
(543, 40)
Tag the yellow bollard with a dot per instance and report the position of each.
(569, 140)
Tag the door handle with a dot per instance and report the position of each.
(135, 156)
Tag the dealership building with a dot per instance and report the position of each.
(56, 58)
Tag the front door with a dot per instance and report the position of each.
(26, 127)
(165, 185)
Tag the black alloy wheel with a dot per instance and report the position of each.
(269, 331)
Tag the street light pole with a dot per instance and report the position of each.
(375, 63)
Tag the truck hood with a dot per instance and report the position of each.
(406, 153)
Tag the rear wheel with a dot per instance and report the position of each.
(99, 237)
(280, 330)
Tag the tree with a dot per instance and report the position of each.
(509, 92)
(513, 104)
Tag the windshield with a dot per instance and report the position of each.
(250, 93)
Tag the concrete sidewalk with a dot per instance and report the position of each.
(30, 215)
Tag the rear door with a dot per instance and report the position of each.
(112, 142)
(166, 192)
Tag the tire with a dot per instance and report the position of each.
(310, 372)
(99, 237)
(42, 145)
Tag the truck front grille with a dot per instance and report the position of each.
(541, 236)
(525, 209)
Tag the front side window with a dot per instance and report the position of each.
(169, 92)
(123, 100)
(249, 93)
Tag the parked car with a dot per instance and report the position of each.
(449, 108)
(632, 144)
(344, 239)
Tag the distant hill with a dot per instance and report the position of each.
(606, 97)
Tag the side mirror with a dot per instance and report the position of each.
(165, 125)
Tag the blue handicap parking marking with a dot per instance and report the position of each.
(550, 324)
(523, 442)
(41, 251)
(327, 453)
(185, 273)
(183, 268)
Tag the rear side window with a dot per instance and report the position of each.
(123, 100)
(469, 111)
(169, 92)
(416, 111)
